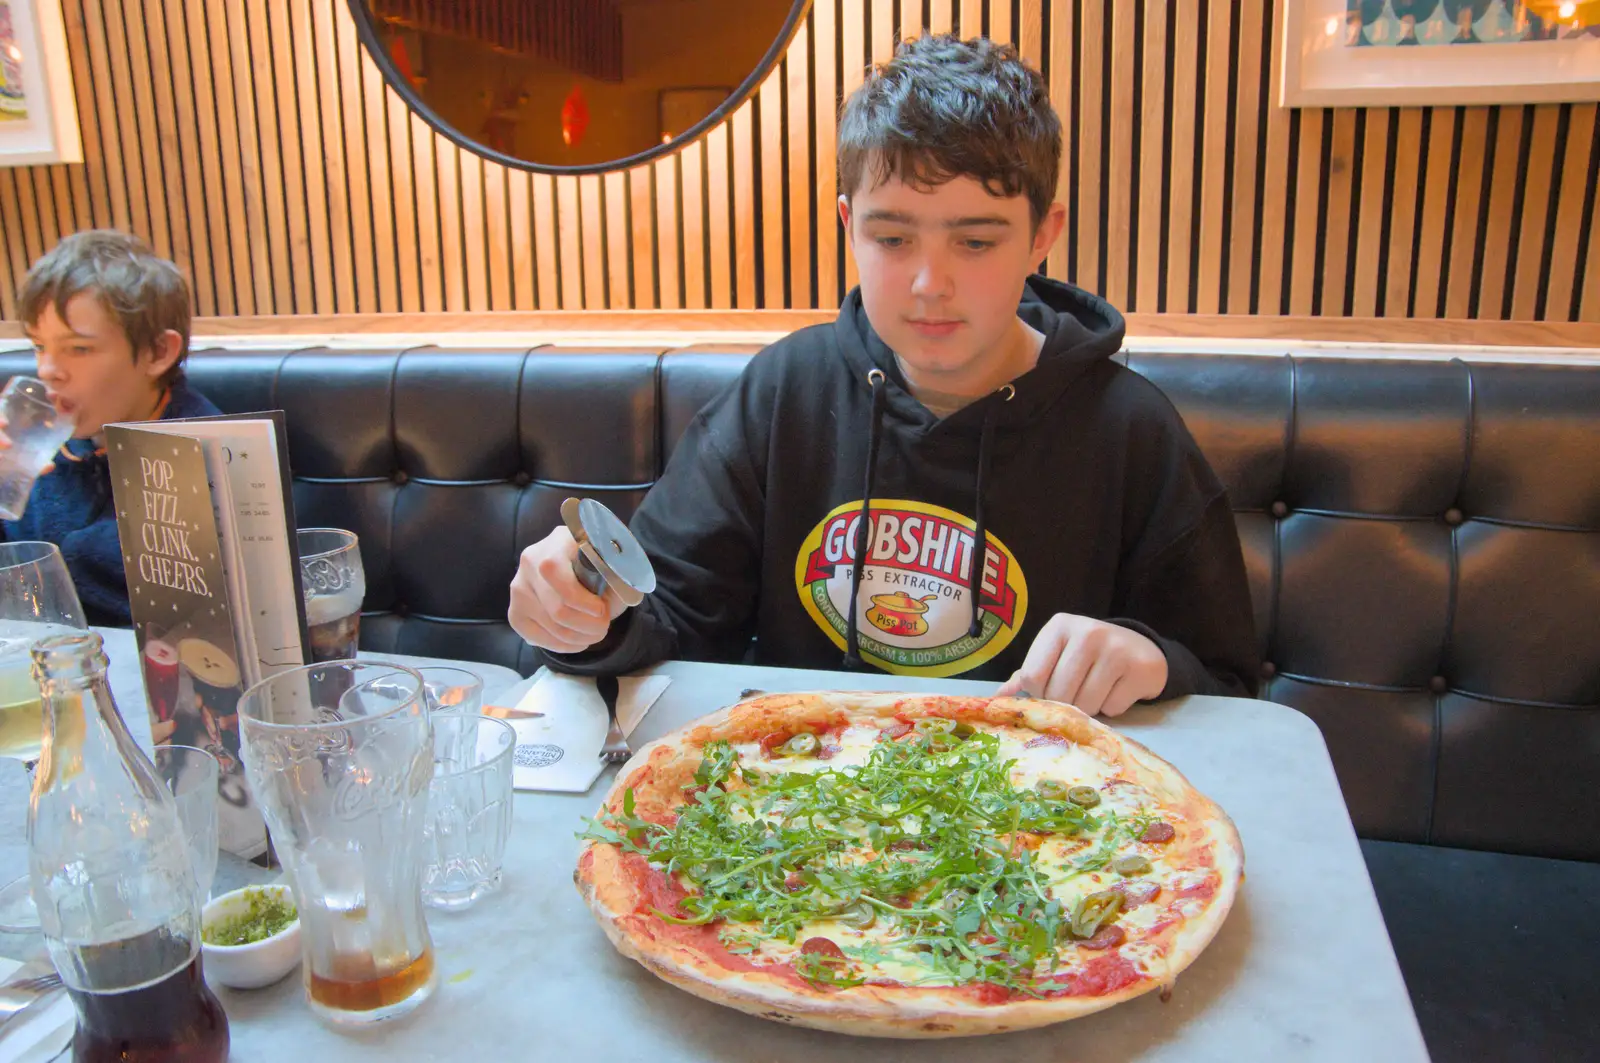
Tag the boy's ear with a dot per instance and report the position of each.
(844, 213)
(1049, 230)
(164, 354)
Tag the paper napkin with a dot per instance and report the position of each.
(43, 1035)
(560, 750)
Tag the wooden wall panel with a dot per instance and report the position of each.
(255, 143)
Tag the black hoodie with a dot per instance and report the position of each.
(1092, 497)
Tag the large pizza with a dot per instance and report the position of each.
(908, 866)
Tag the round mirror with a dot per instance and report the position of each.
(575, 86)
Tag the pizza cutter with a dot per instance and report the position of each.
(608, 554)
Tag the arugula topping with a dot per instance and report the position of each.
(927, 840)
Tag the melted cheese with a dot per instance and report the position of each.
(1069, 764)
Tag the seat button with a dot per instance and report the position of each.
(522, 479)
(1453, 517)
(400, 476)
(1280, 509)
(1268, 669)
(1438, 684)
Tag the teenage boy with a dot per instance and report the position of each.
(829, 504)
(109, 321)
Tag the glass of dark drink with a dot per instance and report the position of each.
(113, 876)
(176, 1019)
(335, 585)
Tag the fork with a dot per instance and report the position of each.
(616, 749)
(17, 995)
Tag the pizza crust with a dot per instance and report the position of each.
(659, 770)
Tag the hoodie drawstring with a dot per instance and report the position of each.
(852, 652)
(980, 536)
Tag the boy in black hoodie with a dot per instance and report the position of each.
(109, 321)
(830, 502)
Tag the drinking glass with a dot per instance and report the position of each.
(36, 432)
(469, 809)
(451, 692)
(340, 757)
(37, 601)
(191, 774)
(334, 584)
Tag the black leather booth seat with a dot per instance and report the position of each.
(1422, 538)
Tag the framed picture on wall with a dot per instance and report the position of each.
(1408, 53)
(38, 116)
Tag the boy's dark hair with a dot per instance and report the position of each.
(143, 291)
(945, 108)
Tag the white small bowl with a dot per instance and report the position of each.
(259, 963)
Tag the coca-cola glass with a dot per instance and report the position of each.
(340, 756)
(335, 585)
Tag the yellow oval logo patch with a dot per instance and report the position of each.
(913, 613)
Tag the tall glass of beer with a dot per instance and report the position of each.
(334, 585)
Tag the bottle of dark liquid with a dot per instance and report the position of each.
(111, 876)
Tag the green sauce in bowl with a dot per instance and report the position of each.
(265, 914)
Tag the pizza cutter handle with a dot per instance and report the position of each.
(588, 575)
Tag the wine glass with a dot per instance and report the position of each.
(37, 600)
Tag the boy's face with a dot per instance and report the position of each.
(942, 271)
(90, 368)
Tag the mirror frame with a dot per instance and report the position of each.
(367, 30)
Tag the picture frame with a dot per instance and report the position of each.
(38, 113)
(1394, 53)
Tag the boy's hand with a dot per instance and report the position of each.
(1099, 667)
(549, 607)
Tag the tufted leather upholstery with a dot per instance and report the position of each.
(1422, 537)
(1422, 540)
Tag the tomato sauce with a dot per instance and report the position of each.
(1201, 890)
(662, 892)
(1101, 975)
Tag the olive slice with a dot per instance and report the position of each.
(1054, 790)
(859, 916)
(1130, 864)
(800, 745)
(964, 729)
(936, 725)
(1094, 911)
(1084, 796)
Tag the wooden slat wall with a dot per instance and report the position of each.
(255, 142)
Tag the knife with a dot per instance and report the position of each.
(501, 712)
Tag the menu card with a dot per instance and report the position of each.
(206, 521)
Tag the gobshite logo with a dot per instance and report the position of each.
(913, 613)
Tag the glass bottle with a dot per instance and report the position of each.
(111, 876)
